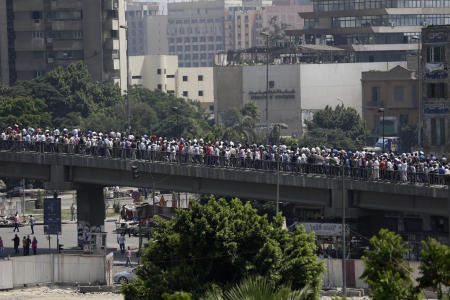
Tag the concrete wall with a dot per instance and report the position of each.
(85, 269)
(55, 268)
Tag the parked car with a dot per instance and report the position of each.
(125, 276)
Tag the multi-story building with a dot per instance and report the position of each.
(377, 30)
(197, 30)
(435, 85)
(161, 72)
(295, 91)
(38, 35)
(389, 101)
(136, 17)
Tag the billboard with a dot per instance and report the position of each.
(52, 215)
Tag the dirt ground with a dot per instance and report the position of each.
(49, 293)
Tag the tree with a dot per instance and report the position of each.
(435, 266)
(340, 128)
(386, 272)
(221, 243)
(24, 111)
(242, 124)
(258, 287)
(69, 94)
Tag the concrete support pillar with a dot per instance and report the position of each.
(90, 212)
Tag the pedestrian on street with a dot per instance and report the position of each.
(128, 255)
(32, 222)
(1, 247)
(121, 241)
(24, 245)
(16, 222)
(72, 212)
(16, 241)
(34, 245)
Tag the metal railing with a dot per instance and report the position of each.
(319, 168)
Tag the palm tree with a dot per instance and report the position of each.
(260, 288)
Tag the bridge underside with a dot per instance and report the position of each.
(63, 172)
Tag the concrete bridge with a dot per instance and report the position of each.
(89, 174)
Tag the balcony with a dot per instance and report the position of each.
(111, 44)
(111, 24)
(64, 4)
(110, 4)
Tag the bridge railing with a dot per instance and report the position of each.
(318, 168)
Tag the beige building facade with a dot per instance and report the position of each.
(296, 91)
(44, 34)
(390, 101)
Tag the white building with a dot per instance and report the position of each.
(161, 72)
(296, 91)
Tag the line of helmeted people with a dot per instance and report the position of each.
(413, 167)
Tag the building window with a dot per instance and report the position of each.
(200, 77)
(433, 132)
(271, 84)
(403, 120)
(442, 131)
(158, 71)
(200, 93)
(170, 76)
(38, 73)
(376, 95)
(185, 78)
(185, 93)
(159, 87)
(436, 54)
(437, 90)
(399, 93)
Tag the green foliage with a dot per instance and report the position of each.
(241, 124)
(435, 266)
(341, 128)
(221, 243)
(386, 272)
(257, 287)
(69, 96)
(177, 296)
(23, 110)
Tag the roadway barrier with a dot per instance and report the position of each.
(55, 268)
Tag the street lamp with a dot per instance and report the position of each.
(175, 108)
(128, 81)
(263, 33)
(381, 110)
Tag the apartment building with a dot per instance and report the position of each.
(377, 30)
(435, 85)
(136, 16)
(36, 36)
(389, 101)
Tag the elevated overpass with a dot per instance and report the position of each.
(73, 171)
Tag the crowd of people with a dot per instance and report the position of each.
(413, 167)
